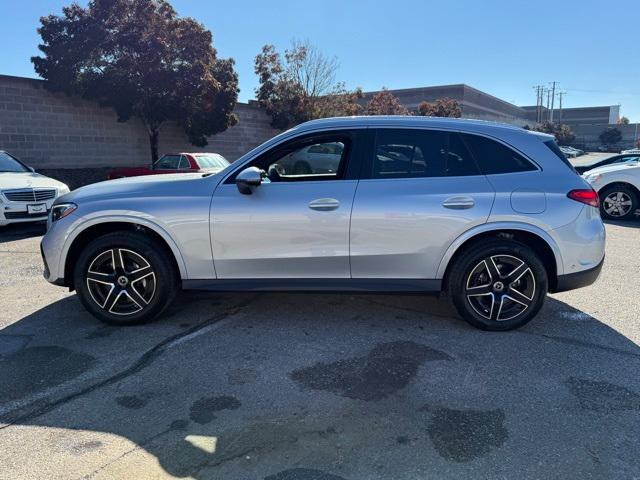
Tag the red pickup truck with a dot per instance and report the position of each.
(175, 163)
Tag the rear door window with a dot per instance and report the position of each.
(412, 153)
(493, 157)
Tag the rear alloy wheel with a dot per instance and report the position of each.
(618, 203)
(498, 285)
(123, 278)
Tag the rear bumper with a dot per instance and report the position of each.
(575, 280)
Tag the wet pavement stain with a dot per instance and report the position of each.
(602, 397)
(464, 435)
(101, 332)
(34, 369)
(303, 474)
(202, 411)
(387, 368)
(86, 447)
(133, 402)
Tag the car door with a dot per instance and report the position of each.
(293, 225)
(419, 191)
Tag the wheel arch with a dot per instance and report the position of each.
(620, 183)
(537, 239)
(90, 230)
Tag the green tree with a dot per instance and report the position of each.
(385, 103)
(143, 60)
(443, 107)
(302, 86)
(610, 136)
(623, 121)
(563, 133)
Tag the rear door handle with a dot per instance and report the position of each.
(324, 204)
(458, 203)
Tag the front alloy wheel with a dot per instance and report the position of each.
(121, 281)
(125, 278)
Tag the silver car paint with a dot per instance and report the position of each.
(196, 215)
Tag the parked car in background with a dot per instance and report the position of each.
(25, 196)
(175, 163)
(568, 152)
(632, 150)
(615, 159)
(618, 186)
(492, 214)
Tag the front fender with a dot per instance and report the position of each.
(497, 226)
(83, 223)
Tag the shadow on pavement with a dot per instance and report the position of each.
(19, 231)
(322, 387)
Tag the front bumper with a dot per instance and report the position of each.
(580, 279)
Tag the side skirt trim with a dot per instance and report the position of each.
(362, 285)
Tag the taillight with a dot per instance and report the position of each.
(587, 196)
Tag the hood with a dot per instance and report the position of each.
(9, 180)
(616, 167)
(170, 184)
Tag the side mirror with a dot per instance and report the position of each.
(247, 178)
(32, 169)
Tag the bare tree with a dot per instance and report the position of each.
(303, 87)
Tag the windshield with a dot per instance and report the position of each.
(212, 161)
(10, 164)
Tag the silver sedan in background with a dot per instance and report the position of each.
(492, 214)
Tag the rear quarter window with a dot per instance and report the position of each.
(493, 157)
(553, 146)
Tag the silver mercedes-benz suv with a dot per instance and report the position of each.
(492, 214)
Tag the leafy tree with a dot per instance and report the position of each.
(443, 107)
(143, 60)
(610, 136)
(385, 103)
(301, 87)
(563, 133)
(623, 121)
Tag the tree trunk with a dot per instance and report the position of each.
(154, 133)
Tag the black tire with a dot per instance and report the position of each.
(478, 296)
(625, 210)
(301, 168)
(151, 280)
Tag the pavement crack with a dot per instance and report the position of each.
(584, 344)
(26, 413)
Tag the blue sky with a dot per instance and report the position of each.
(592, 48)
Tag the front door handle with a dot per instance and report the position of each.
(324, 204)
(458, 203)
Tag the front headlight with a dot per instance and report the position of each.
(61, 210)
(63, 190)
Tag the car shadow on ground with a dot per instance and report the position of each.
(633, 223)
(19, 231)
(322, 387)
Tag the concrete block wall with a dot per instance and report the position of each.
(49, 130)
(588, 135)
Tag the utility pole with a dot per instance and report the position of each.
(538, 89)
(560, 94)
(548, 104)
(553, 96)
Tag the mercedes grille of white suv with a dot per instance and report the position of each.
(491, 214)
